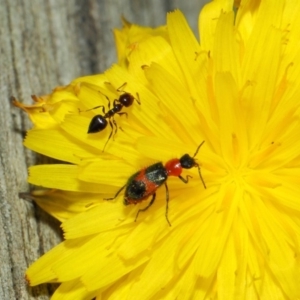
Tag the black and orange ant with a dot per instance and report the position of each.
(100, 122)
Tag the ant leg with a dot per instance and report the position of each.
(106, 99)
(99, 106)
(112, 129)
(117, 194)
(167, 204)
(199, 170)
(108, 102)
(123, 113)
(144, 209)
(116, 126)
(116, 102)
(185, 180)
(137, 99)
(120, 89)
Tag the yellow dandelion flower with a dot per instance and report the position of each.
(237, 90)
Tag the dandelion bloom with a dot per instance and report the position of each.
(238, 90)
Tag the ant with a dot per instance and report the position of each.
(100, 122)
(145, 182)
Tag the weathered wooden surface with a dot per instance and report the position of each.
(45, 43)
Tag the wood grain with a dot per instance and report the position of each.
(45, 43)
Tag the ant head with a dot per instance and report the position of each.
(126, 99)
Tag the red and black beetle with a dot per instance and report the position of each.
(145, 182)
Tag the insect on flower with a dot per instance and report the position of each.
(145, 182)
(100, 122)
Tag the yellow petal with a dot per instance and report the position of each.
(208, 21)
(72, 290)
(41, 270)
(62, 176)
(185, 47)
(64, 205)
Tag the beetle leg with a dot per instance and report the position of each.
(117, 194)
(185, 180)
(167, 204)
(144, 209)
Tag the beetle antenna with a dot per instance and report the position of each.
(199, 170)
(197, 150)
